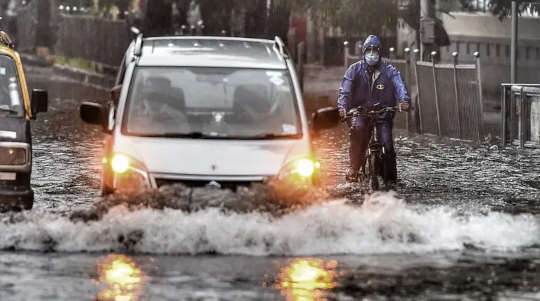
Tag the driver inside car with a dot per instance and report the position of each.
(157, 114)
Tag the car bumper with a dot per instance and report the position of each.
(10, 199)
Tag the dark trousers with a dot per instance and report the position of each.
(360, 135)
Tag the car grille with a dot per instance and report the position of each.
(233, 185)
(12, 156)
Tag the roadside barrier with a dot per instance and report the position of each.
(520, 114)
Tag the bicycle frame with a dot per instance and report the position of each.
(375, 148)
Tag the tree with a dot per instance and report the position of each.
(158, 18)
(352, 16)
(216, 15)
(503, 8)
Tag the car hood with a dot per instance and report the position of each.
(212, 157)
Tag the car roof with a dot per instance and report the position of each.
(206, 51)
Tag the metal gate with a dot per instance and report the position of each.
(521, 114)
(450, 99)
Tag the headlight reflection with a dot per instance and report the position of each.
(121, 279)
(307, 279)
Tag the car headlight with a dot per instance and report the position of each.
(300, 170)
(130, 175)
(12, 156)
(305, 167)
(120, 163)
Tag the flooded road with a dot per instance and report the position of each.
(464, 224)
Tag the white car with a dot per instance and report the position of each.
(200, 110)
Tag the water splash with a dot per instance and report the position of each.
(383, 224)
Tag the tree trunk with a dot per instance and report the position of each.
(278, 21)
(256, 19)
(158, 18)
(216, 16)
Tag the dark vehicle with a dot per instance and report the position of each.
(16, 111)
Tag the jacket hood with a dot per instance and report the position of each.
(371, 41)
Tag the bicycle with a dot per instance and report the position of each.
(375, 150)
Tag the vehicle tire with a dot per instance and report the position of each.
(28, 204)
(373, 172)
(105, 188)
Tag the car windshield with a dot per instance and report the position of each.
(11, 101)
(211, 103)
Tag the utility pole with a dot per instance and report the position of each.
(513, 52)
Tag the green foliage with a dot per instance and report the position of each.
(76, 63)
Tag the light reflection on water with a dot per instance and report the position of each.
(307, 279)
(120, 279)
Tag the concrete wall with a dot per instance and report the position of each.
(486, 25)
(485, 33)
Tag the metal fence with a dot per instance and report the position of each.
(450, 99)
(93, 39)
(520, 114)
(449, 96)
(24, 28)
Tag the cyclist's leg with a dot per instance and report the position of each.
(359, 135)
(384, 131)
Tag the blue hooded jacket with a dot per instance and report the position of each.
(357, 89)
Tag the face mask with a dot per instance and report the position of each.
(372, 59)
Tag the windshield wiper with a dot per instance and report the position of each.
(271, 136)
(200, 135)
(192, 135)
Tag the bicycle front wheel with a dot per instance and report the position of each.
(373, 172)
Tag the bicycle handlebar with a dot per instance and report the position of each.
(361, 111)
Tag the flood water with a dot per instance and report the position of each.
(464, 224)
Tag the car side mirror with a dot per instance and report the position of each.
(39, 102)
(94, 113)
(325, 118)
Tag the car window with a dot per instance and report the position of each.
(11, 98)
(222, 102)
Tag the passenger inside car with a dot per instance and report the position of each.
(258, 105)
(160, 109)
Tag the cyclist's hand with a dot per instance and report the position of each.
(342, 113)
(404, 106)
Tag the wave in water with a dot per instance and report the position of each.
(383, 224)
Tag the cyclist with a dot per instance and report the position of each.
(367, 83)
